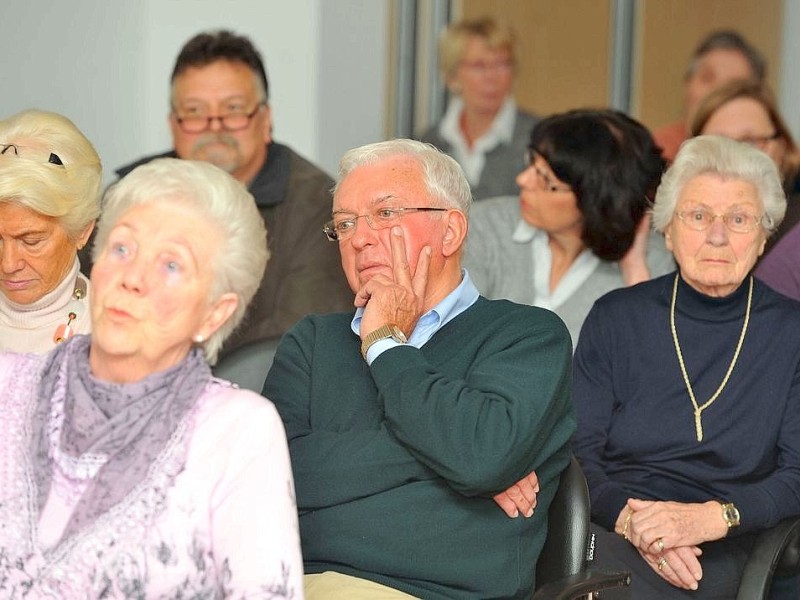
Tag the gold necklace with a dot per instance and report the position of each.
(698, 410)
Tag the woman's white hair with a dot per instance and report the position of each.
(442, 175)
(69, 191)
(228, 207)
(728, 159)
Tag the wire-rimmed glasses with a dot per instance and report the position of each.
(342, 227)
(736, 221)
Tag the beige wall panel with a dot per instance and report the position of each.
(668, 32)
(564, 50)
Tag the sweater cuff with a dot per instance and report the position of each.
(379, 347)
(607, 506)
(754, 510)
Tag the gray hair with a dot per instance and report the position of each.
(726, 158)
(69, 191)
(224, 202)
(730, 40)
(442, 175)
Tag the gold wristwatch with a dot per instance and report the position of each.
(730, 513)
(381, 333)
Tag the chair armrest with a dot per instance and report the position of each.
(776, 550)
(585, 582)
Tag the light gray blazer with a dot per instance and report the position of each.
(503, 268)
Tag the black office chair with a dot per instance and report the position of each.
(776, 552)
(247, 365)
(561, 571)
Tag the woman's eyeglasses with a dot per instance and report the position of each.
(701, 219)
(530, 161)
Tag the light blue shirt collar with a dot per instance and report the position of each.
(456, 302)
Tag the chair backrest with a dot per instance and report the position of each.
(247, 365)
(564, 551)
(776, 551)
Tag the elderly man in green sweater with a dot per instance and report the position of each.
(415, 425)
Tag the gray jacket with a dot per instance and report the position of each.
(503, 268)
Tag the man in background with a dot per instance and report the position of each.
(721, 57)
(220, 113)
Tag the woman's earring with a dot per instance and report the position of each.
(199, 339)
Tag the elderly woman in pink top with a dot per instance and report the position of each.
(50, 178)
(126, 469)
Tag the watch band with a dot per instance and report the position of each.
(381, 333)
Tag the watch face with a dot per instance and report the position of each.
(731, 515)
(398, 334)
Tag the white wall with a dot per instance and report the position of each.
(352, 78)
(106, 65)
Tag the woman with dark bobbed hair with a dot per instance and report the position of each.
(578, 228)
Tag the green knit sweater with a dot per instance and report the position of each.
(396, 464)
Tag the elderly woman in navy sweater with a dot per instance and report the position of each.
(687, 387)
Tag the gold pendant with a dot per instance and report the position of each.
(698, 425)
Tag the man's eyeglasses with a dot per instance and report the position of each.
(199, 123)
(344, 226)
(34, 153)
(530, 161)
(701, 219)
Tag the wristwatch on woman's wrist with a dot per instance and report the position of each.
(730, 513)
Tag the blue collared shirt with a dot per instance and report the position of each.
(456, 302)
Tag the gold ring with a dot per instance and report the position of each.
(662, 563)
(660, 542)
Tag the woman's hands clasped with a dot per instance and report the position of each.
(668, 534)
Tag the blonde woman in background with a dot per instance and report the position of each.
(482, 129)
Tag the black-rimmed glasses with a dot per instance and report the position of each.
(230, 122)
(344, 226)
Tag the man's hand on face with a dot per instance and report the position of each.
(398, 300)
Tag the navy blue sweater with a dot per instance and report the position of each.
(636, 431)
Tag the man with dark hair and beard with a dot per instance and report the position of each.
(220, 113)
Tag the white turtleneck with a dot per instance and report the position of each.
(32, 327)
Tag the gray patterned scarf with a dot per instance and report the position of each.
(126, 425)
